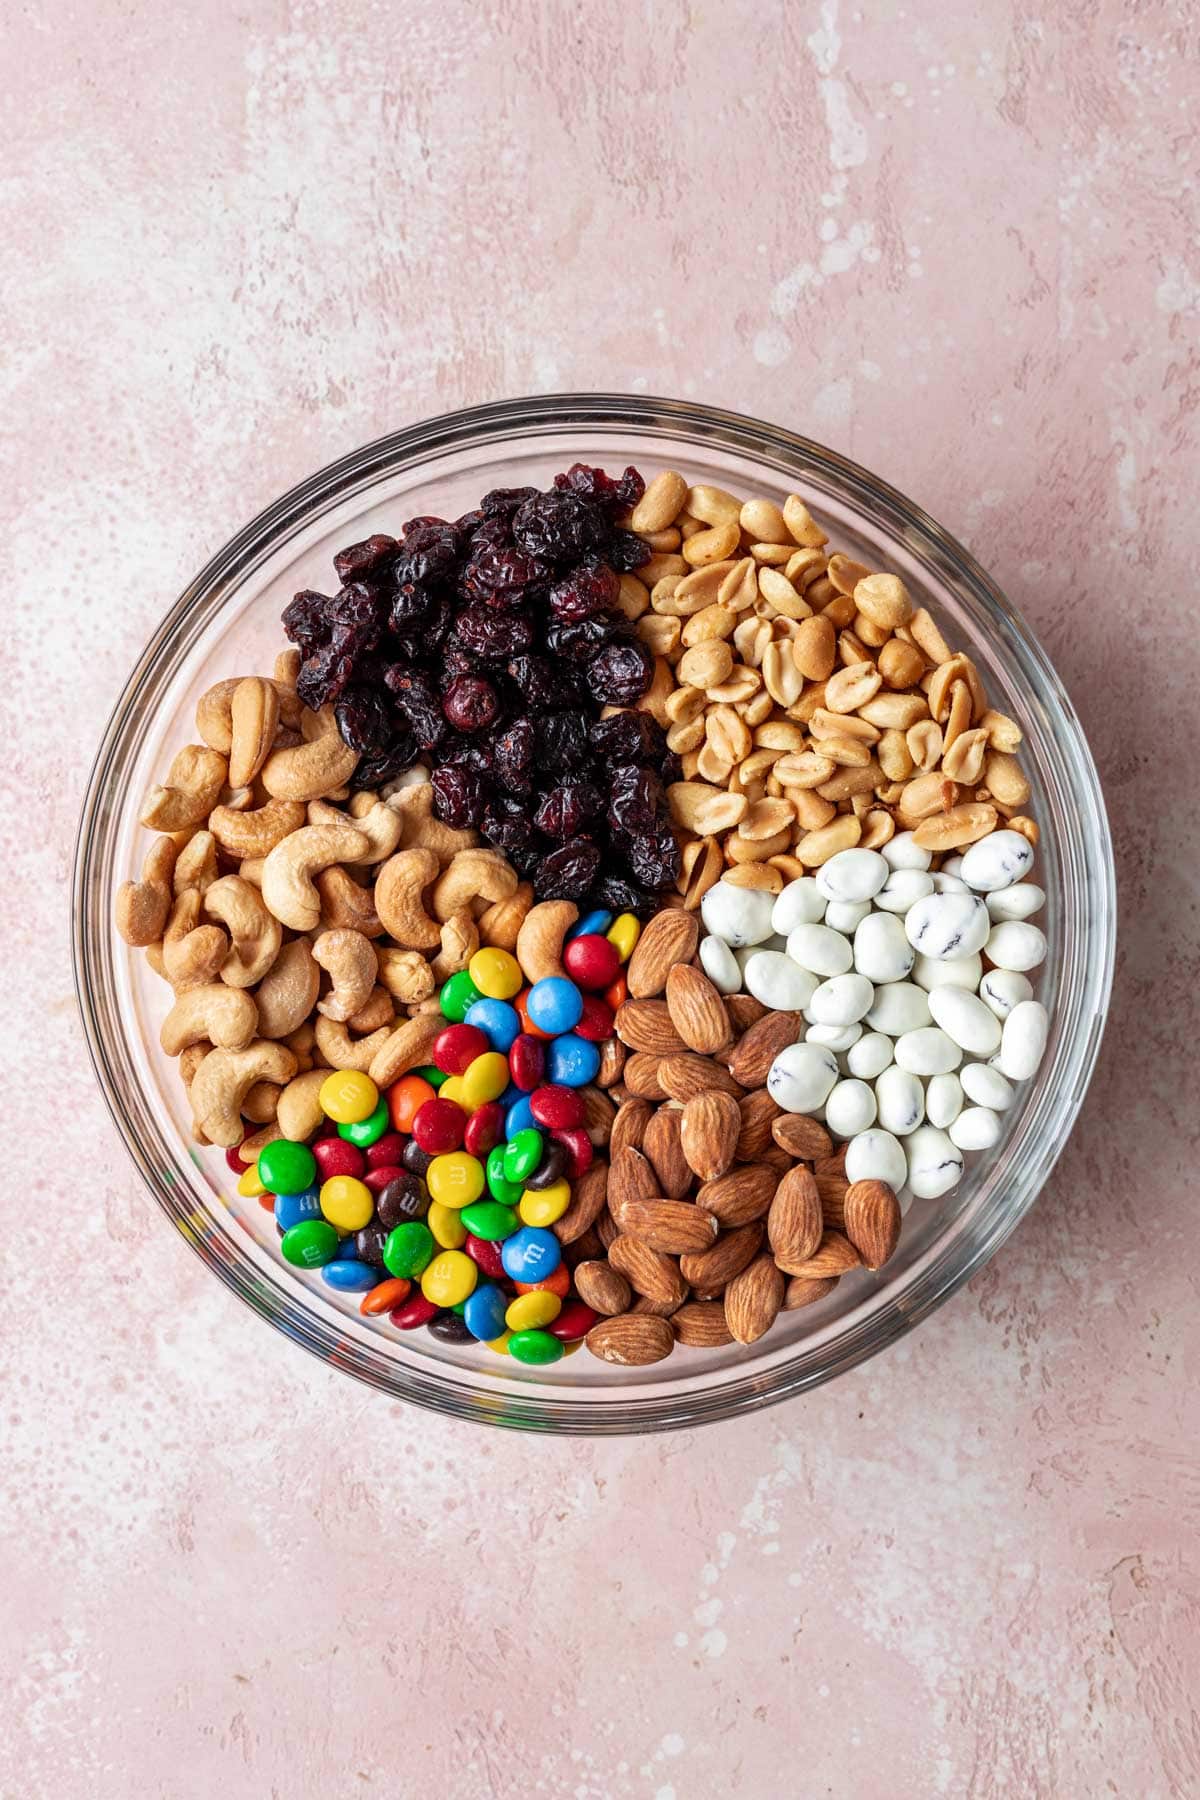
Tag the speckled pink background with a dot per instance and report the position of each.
(238, 241)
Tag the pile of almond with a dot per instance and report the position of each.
(716, 1210)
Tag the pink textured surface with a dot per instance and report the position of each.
(240, 241)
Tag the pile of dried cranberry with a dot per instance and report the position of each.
(487, 647)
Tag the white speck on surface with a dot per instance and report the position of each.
(772, 346)
(673, 1744)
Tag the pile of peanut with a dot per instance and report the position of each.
(814, 708)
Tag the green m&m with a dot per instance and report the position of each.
(499, 1186)
(310, 1244)
(285, 1167)
(522, 1154)
(364, 1132)
(534, 1346)
(408, 1249)
(490, 1220)
(457, 997)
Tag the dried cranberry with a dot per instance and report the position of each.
(526, 858)
(506, 823)
(429, 552)
(418, 700)
(397, 755)
(590, 588)
(619, 674)
(593, 484)
(502, 503)
(370, 557)
(493, 636)
(567, 873)
(456, 661)
(562, 744)
(654, 857)
(514, 752)
(499, 577)
(631, 487)
(629, 737)
(636, 799)
(560, 527)
(304, 621)
(363, 719)
(411, 603)
(323, 676)
(620, 895)
(580, 641)
(470, 703)
(540, 685)
(566, 810)
(626, 551)
(457, 796)
(466, 753)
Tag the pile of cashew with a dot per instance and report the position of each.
(301, 927)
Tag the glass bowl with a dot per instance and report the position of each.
(226, 622)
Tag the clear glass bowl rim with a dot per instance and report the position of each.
(497, 423)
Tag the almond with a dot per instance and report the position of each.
(588, 1195)
(872, 1216)
(630, 1177)
(640, 1077)
(598, 1115)
(794, 1223)
(761, 1044)
(684, 1076)
(662, 1144)
(710, 1126)
(709, 1270)
(775, 1158)
(834, 1256)
(585, 1248)
(803, 1290)
(675, 1227)
(661, 1309)
(612, 1062)
(607, 1229)
(833, 1163)
(671, 937)
(629, 1125)
(801, 1136)
(833, 1190)
(646, 1025)
(753, 1300)
(602, 1288)
(700, 1324)
(633, 1340)
(742, 1195)
(650, 1272)
(744, 1010)
(758, 1114)
(697, 1010)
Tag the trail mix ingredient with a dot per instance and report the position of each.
(494, 648)
(397, 888)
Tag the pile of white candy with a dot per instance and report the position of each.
(884, 961)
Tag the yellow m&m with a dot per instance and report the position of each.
(348, 1097)
(543, 1206)
(496, 974)
(486, 1079)
(623, 934)
(446, 1225)
(347, 1202)
(454, 1180)
(528, 1312)
(449, 1278)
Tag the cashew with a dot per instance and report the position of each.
(196, 864)
(540, 939)
(190, 1060)
(254, 719)
(193, 786)
(421, 829)
(244, 834)
(345, 905)
(262, 1102)
(341, 1051)
(224, 1079)
(460, 941)
(299, 1114)
(311, 770)
(142, 906)
(398, 889)
(380, 824)
(154, 956)
(287, 667)
(379, 1010)
(250, 869)
(287, 995)
(225, 1016)
(255, 1141)
(348, 958)
(500, 923)
(405, 974)
(407, 1047)
(300, 1042)
(237, 799)
(473, 874)
(287, 886)
(192, 953)
(256, 935)
(214, 709)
